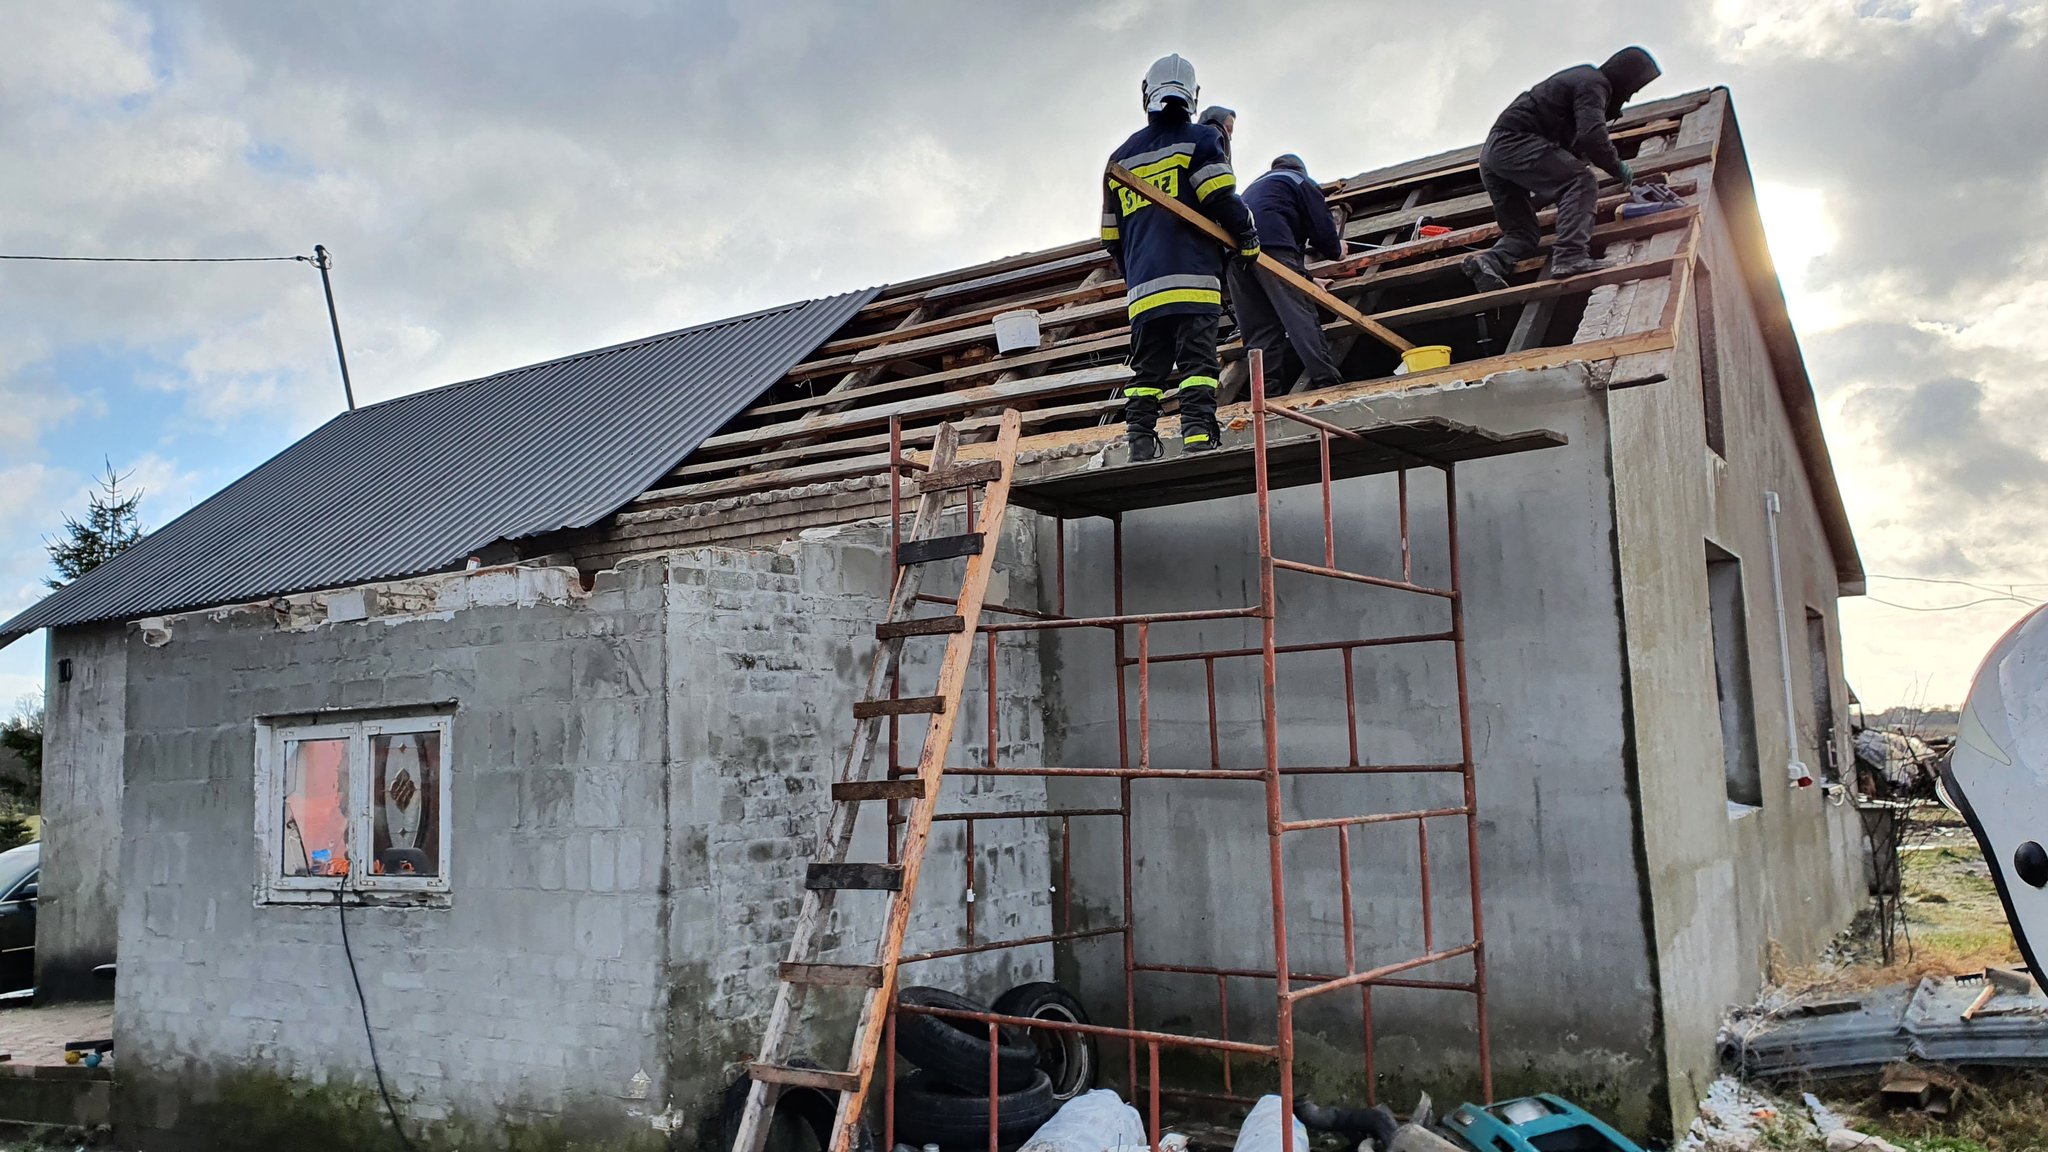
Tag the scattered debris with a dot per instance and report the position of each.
(1850, 1140)
(1925, 1089)
(1923, 1022)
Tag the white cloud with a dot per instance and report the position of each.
(577, 178)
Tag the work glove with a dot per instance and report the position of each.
(1248, 258)
(1627, 174)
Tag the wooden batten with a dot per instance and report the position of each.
(815, 448)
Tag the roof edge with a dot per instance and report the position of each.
(1737, 197)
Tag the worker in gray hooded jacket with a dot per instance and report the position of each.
(1537, 153)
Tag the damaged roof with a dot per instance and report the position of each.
(418, 483)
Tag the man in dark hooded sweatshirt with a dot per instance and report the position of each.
(1537, 154)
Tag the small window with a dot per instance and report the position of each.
(355, 806)
(1710, 359)
(1730, 631)
(1823, 686)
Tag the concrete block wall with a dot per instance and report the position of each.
(638, 776)
(769, 650)
(1567, 931)
(77, 918)
(538, 991)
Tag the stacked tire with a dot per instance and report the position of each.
(945, 1101)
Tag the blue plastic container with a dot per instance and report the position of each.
(1534, 1124)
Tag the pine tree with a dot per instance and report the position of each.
(112, 524)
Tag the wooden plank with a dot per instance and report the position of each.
(832, 975)
(1541, 289)
(940, 547)
(1064, 383)
(1445, 163)
(1267, 264)
(1028, 274)
(1392, 276)
(959, 476)
(854, 877)
(963, 337)
(859, 791)
(912, 437)
(1459, 239)
(1065, 297)
(803, 1077)
(898, 706)
(921, 625)
(1349, 192)
(1480, 202)
(1093, 344)
(915, 289)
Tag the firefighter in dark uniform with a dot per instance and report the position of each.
(1173, 274)
(1293, 219)
(1537, 153)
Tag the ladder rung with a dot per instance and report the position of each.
(854, 791)
(840, 975)
(901, 706)
(920, 626)
(961, 476)
(855, 877)
(804, 1077)
(938, 548)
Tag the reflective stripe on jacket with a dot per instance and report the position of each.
(1168, 267)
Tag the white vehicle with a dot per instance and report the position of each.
(1998, 776)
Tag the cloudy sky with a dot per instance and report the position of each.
(504, 182)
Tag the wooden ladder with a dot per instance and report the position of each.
(831, 873)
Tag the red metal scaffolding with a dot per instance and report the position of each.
(1338, 452)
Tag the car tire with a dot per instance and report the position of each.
(802, 1120)
(933, 1113)
(1069, 1059)
(955, 1052)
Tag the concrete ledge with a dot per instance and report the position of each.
(64, 1095)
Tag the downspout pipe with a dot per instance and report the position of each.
(1795, 770)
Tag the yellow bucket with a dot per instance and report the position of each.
(1427, 356)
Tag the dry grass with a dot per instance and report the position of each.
(1956, 925)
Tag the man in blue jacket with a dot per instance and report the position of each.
(1537, 153)
(1173, 274)
(1293, 219)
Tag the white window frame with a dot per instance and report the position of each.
(274, 888)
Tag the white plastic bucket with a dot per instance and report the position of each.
(1016, 331)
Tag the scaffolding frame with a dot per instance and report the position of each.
(1135, 661)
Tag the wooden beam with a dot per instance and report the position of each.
(1267, 264)
(1096, 343)
(1352, 192)
(1480, 202)
(1059, 384)
(1065, 297)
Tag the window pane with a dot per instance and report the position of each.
(405, 782)
(315, 808)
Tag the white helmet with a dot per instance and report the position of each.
(1170, 78)
(1997, 777)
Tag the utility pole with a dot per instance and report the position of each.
(323, 262)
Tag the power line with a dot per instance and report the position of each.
(159, 259)
(1994, 586)
(1954, 607)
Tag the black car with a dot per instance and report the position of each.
(19, 869)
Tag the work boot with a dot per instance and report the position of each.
(1144, 446)
(1484, 273)
(1563, 266)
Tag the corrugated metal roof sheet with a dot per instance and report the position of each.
(417, 483)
